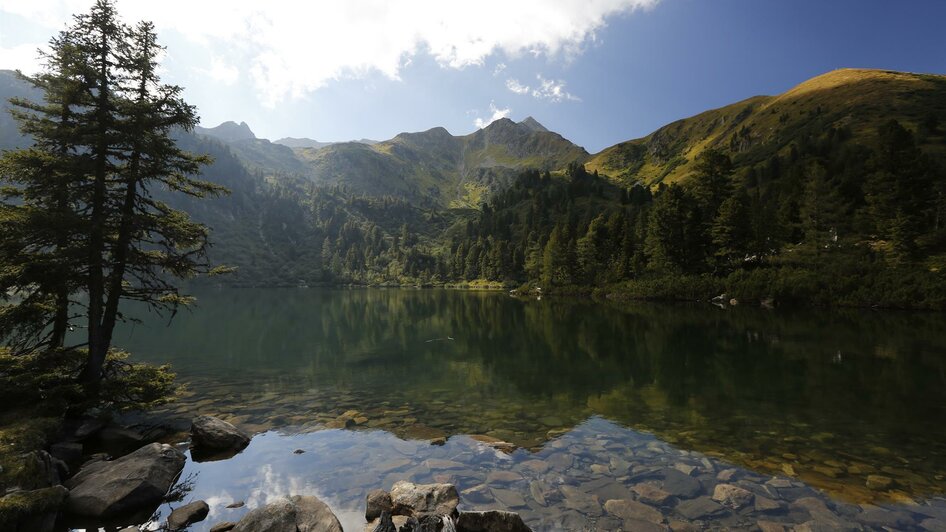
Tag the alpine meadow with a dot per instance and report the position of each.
(732, 321)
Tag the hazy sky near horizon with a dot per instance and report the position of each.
(596, 71)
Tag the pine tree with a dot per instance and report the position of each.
(115, 150)
(40, 226)
(731, 230)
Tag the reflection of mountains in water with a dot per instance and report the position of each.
(764, 389)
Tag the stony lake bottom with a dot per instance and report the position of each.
(613, 417)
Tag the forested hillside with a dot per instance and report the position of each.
(832, 193)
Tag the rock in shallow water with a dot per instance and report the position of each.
(491, 521)
(416, 499)
(212, 438)
(292, 514)
(130, 483)
(184, 516)
(378, 502)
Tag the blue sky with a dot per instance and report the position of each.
(597, 71)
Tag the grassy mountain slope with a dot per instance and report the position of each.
(754, 129)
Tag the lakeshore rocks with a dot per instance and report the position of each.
(378, 503)
(184, 516)
(418, 499)
(31, 511)
(732, 496)
(491, 521)
(215, 439)
(433, 508)
(133, 482)
(292, 514)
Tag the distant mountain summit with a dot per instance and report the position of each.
(228, 131)
(533, 124)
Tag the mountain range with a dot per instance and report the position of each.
(292, 198)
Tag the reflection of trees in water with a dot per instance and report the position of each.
(734, 374)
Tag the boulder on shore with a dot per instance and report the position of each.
(214, 439)
(377, 502)
(292, 514)
(136, 481)
(415, 500)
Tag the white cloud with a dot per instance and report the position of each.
(499, 69)
(553, 91)
(290, 48)
(22, 57)
(548, 89)
(497, 113)
(516, 87)
(222, 71)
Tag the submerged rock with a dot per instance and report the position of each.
(184, 516)
(133, 482)
(491, 521)
(732, 496)
(213, 438)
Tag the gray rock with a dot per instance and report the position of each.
(184, 516)
(417, 499)
(212, 438)
(491, 521)
(377, 502)
(680, 485)
(629, 510)
(293, 514)
(732, 496)
(699, 508)
(278, 516)
(133, 482)
(224, 526)
(313, 515)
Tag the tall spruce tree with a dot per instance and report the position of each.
(106, 133)
(41, 226)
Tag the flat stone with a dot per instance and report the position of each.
(581, 501)
(770, 526)
(732, 496)
(879, 482)
(699, 508)
(629, 510)
(765, 504)
(680, 485)
(650, 494)
(508, 498)
(502, 477)
(223, 526)
(536, 466)
(238, 504)
(884, 518)
(184, 516)
(213, 439)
